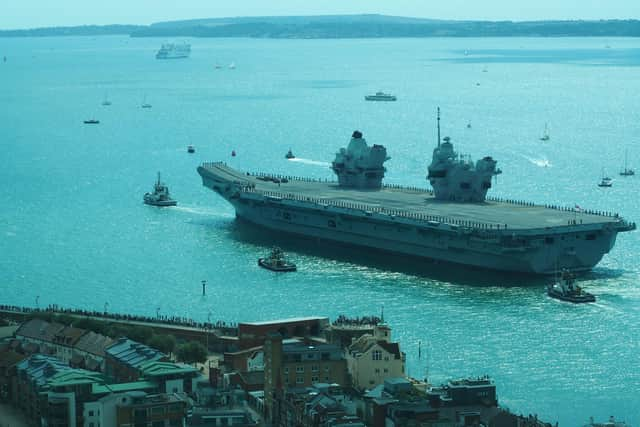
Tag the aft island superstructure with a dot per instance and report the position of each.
(455, 222)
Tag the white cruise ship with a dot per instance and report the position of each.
(174, 51)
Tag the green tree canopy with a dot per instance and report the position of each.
(192, 352)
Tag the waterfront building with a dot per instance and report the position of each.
(321, 405)
(294, 363)
(51, 393)
(170, 377)
(64, 341)
(89, 351)
(161, 410)
(253, 334)
(39, 332)
(9, 360)
(124, 358)
(373, 358)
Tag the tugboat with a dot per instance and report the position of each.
(190, 149)
(276, 261)
(289, 155)
(160, 195)
(91, 122)
(565, 289)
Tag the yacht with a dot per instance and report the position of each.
(160, 195)
(626, 171)
(174, 51)
(545, 136)
(380, 96)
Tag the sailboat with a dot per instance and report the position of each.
(106, 101)
(626, 171)
(605, 181)
(545, 136)
(145, 104)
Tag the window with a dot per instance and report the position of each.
(314, 368)
(386, 371)
(386, 358)
(314, 379)
(91, 413)
(326, 378)
(377, 370)
(376, 355)
(91, 425)
(286, 370)
(300, 369)
(299, 380)
(326, 369)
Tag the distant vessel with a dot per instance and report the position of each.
(454, 222)
(545, 136)
(191, 149)
(233, 153)
(276, 261)
(289, 155)
(605, 181)
(565, 289)
(380, 96)
(626, 171)
(611, 423)
(106, 101)
(174, 51)
(145, 104)
(91, 122)
(232, 66)
(160, 195)
(469, 125)
(218, 66)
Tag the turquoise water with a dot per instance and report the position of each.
(73, 230)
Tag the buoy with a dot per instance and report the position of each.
(233, 153)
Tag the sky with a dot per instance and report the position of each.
(45, 13)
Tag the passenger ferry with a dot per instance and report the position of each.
(174, 51)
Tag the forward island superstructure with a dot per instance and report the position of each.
(455, 222)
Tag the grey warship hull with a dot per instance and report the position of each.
(508, 236)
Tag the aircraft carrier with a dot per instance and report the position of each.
(454, 222)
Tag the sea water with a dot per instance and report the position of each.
(74, 231)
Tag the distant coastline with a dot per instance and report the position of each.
(345, 26)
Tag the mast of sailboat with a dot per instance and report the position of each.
(438, 126)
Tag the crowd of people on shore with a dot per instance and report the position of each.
(228, 327)
(343, 320)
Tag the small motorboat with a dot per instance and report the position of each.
(605, 181)
(565, 289)
(91, 122)
(191, 149)
(289, 155)
(160, 196)
(276, 261)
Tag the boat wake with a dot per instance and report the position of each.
(542, 162)
(310, 162)
(201, 211)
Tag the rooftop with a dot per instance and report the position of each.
(121, 388)
(156, 369)
(132, 353)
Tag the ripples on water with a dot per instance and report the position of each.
(75, 233)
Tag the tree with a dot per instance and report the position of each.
(192, 352)
(163, 343)
(141, 334)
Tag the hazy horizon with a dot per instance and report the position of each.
(41, 13)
